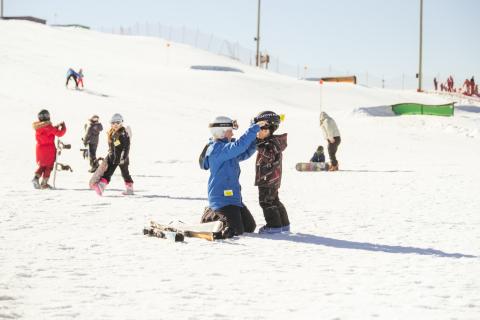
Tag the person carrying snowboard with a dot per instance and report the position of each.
(46, 152)
(222, 156)
(332, 134)
(76, 76)
(90, 140)
(118, 151)
(268, 173)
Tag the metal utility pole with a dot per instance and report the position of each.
(1, 9)
(420, 53)
(258, 35)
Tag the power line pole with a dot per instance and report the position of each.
(421, 45)
(258, 35)
(1, 9)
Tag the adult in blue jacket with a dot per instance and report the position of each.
(222, 158)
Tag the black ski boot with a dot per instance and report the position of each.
(36, 182)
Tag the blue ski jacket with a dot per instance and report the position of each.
(222, 158)
(74, 73)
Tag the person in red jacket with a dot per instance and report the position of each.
(46, 151)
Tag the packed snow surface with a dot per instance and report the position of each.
(393, 235)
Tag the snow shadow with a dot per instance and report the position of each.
(92, 92)
(473, 109)
(381, 111)
(215, 68)
(345, 244)
(381, 171)
(159, 196)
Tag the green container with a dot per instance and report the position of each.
(417, 108)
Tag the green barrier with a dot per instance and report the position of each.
(417, 108)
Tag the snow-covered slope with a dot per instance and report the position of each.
(394, 235)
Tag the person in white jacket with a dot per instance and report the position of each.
(332, 134)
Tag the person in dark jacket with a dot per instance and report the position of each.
(318, 156)
(46, 152)
(222, 158)
(118, 152)
(90, 140)
(269, 173)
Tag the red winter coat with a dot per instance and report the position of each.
(45, 134)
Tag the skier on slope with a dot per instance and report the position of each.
(46, 151)
(269, 173)
(332, 134)
(222, 157)
(76, 76)
(118, 155)
(92, 131)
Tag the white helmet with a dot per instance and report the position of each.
(117, 117)
(220, 125)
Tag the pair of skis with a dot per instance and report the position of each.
(177, 231)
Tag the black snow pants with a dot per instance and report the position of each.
(74, 79)
(332, 150)
(273, 210)
(92, 151)
(238, 219)
(111, 169)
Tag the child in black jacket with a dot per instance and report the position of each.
(118, 151)
(269, 173)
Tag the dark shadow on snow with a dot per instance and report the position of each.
(215, 68)
(92, 92)
(151, 196)
(154, 196)
(150, 176)
(381, 111)
(344, 244)
(382, 171)
(472, 109)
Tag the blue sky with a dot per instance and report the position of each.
(359, 36)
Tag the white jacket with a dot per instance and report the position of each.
(328, 125)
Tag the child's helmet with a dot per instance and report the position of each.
(94, 118)
(44, 115)
(271, 117)
(116, 118)
(220, 125)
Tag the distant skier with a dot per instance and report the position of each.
(268, 173)
(46, 151)
(92, 131)
(332, 134)
(435, 84)
(76, 76)
(222, 157)
(318, 156)
(118, 155)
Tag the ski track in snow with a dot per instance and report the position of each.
(393, 235)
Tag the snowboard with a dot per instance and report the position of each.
(209, 231)
(102, 167)
(164, 232)
(312, 166)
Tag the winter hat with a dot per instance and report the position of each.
(94, 118)
(220, 125)
(44, 115)
(271, 117)
(323, 116)
(320, 149)
(117, 117)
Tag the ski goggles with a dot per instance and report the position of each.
(233, 124)
(116, 122)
